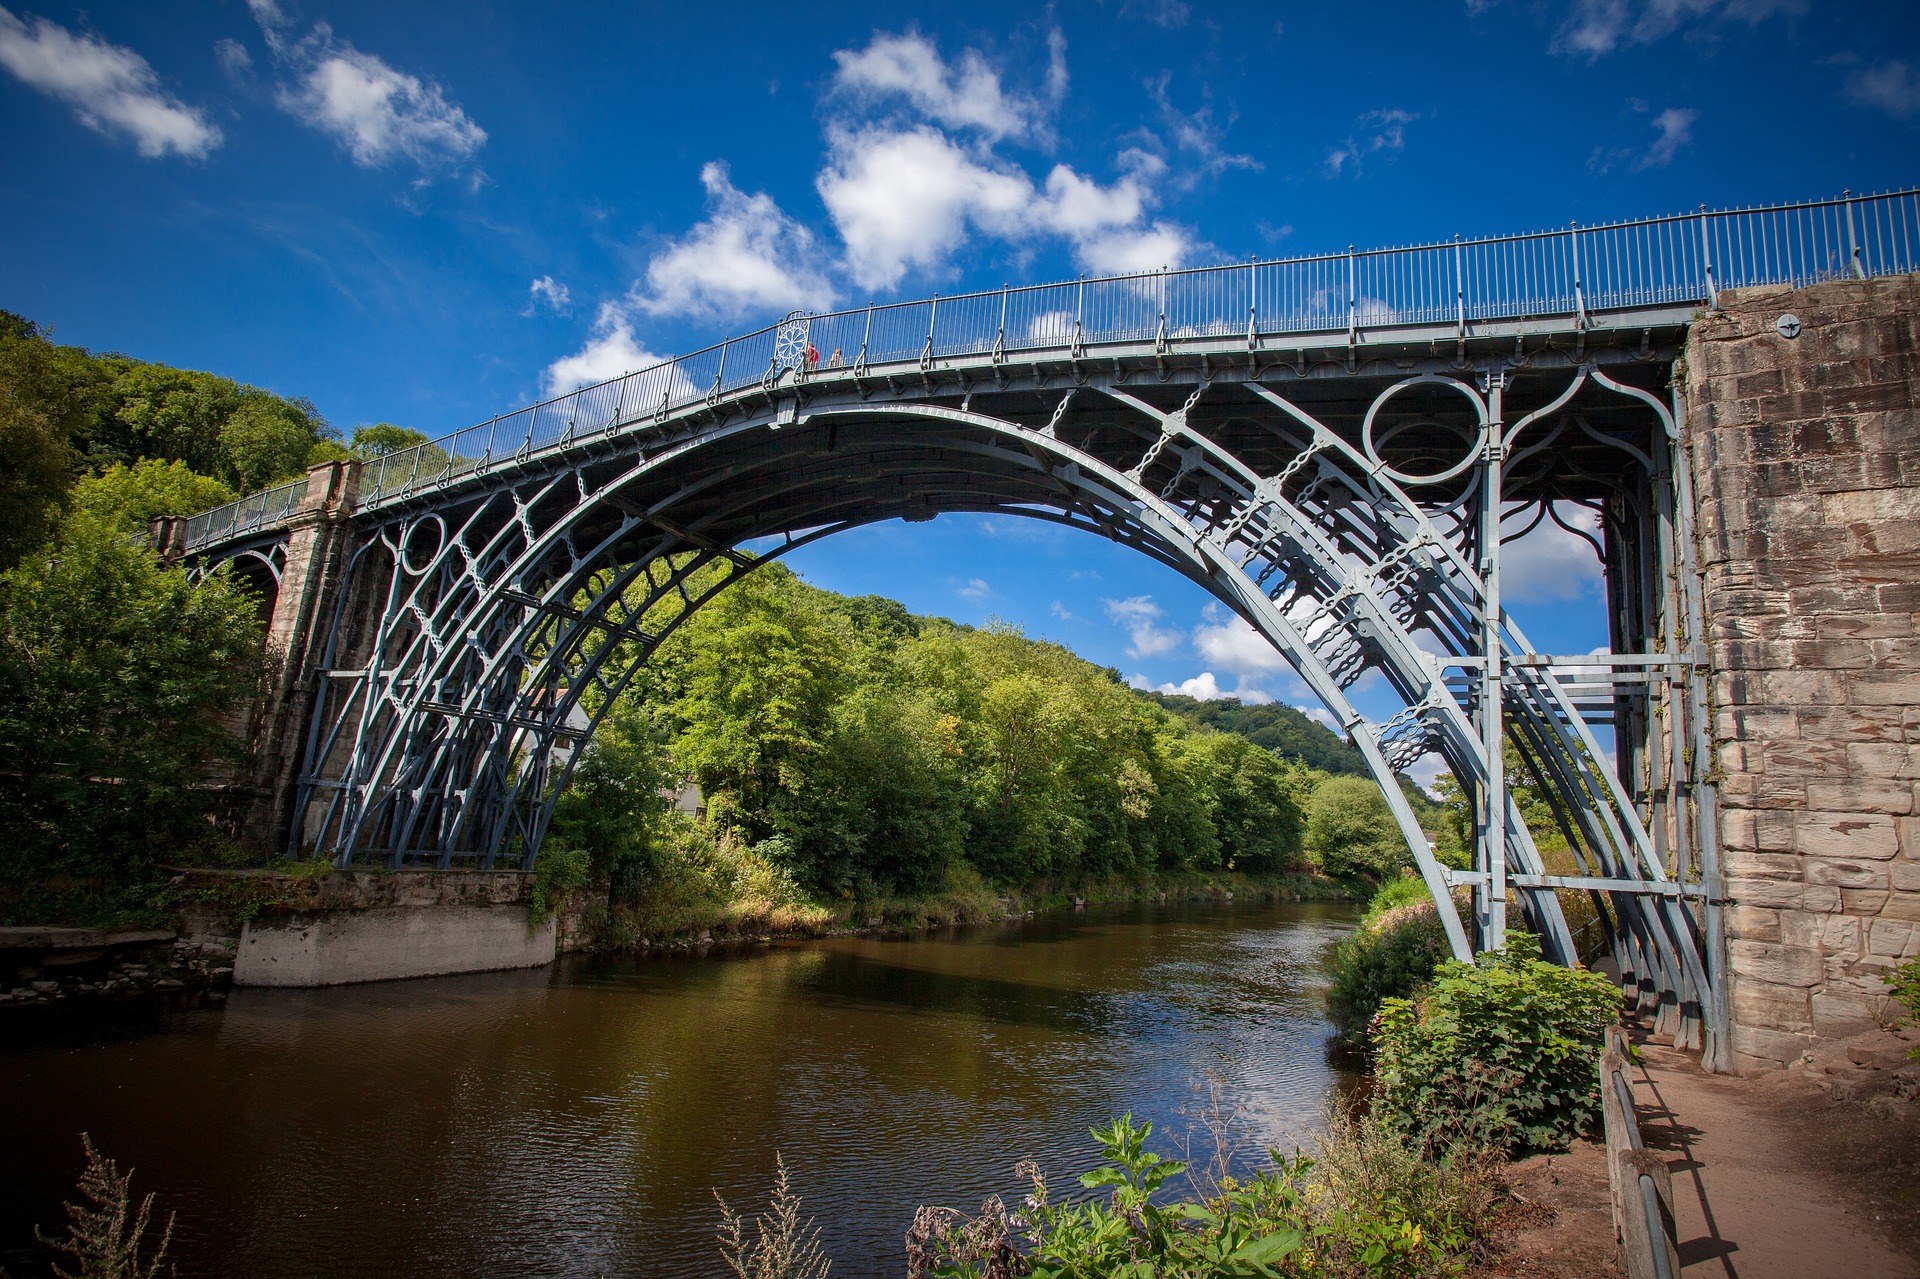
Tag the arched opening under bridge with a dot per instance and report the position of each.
(484, 626)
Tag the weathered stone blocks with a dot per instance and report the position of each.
(1805, 455)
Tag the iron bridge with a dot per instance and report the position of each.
(1335, 447)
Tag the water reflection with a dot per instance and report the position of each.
(573, 1122)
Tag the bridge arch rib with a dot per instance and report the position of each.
(456, 681)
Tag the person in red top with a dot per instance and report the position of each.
(813, 357)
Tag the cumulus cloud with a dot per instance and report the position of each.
(1892, 87)
(111, 89)
(1549, 563)
(1059, 610)
(1374, 132)
(1595, 28)
(375, 111)
(747, 256)
(1140, 616)
(1234, 645)
(905, 194)
(974, 588)
(549, 294)
(964, 95)
(609, 352)
(905, 198)
(902, 199)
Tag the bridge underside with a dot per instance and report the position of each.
(1348, 503)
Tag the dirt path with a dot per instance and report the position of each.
(1773, 1179)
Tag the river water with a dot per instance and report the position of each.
(576, 1121)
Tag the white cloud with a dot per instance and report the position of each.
(378, 113)
(1675, 129)
(967, 95)
(233, 58)
(1892, 87)
(610, 352)
(1139, 614)
(1675, 126)
(748, 256)
(1134, 252)
(903, 199)
(550, 294)
(1195, 135)
(975, 588)
(112, 89)
(1202, 687)
(1321, 715)
(1426, 770)
(1376, 131)
(1550, 563)
(1236, 646)
(1059, 610)
(1596, 28)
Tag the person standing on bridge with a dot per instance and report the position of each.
(813, 356)
(835, 361)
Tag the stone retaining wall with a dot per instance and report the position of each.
(1806, 466)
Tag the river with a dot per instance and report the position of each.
(576, 1121)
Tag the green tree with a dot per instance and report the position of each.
(612, 809)
(382, 438)
(118, 680)
(126, 498)
(1351, 832)
(761, 671)
(36, 468)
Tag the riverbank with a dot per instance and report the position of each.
(668, 920)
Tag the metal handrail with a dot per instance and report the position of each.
(250, 514)
(1674, 260)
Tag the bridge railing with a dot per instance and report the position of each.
(252, 512)
(1666, 261)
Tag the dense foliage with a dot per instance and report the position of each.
(1500, 1052)
(66, 411)
(123, 684)
(1392, 954)
(869, 751)
(1366, 1203)
(117, 678)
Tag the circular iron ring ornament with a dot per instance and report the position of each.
(414, 557)
(1425, 379)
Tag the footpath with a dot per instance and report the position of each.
(1811, 1173)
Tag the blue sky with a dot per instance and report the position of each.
(429, 215)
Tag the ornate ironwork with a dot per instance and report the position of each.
(1336, 448)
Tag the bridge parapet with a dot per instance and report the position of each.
(1805, 445)
(1563, 285)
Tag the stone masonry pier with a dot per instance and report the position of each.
(1805, 449)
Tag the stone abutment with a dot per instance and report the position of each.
(1805, 449)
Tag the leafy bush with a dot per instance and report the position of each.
(1351, 832)
(1368, 1203)
(1498, 1052)
(106, 1234)
(120, 678)
(1394, 953)
(1905, 981)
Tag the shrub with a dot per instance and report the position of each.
(1905, 981)
(1394, 953)
(1351, 832)
(1368, 1202)
(107, 1234)
(1498, 1052)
